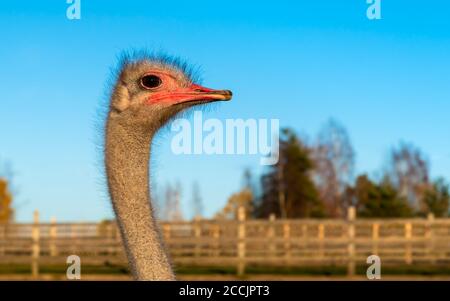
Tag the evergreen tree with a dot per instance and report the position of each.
(377, 200)
(436, 198)
(287, 188)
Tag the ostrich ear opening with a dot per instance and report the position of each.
(121, 99)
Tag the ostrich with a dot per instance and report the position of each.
(147, 92)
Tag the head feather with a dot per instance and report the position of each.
(132, 57)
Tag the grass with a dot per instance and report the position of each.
(422, 270)
(61, 269)
(332, 270)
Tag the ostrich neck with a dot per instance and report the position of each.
(127, 166)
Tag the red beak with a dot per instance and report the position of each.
(193, 93)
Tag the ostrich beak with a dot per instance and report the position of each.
(193, 94)
(207, 94)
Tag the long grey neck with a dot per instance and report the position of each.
(127, 166)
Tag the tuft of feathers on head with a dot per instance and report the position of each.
(132, 57)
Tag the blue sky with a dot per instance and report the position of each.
(300, 61)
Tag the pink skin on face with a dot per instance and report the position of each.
(169, 92)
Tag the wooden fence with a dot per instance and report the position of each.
(239, 243)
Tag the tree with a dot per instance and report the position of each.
(6, 192)
(334, 159)
(158, 200)
(244, 198)
(377, 200)
(172, 208)
(6, 210)
(408, 170)
(436, 198)
(197, 202)
(290, 179)
(241, 199)
(248, 183)
(177, 213)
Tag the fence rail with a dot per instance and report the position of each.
(239, 242)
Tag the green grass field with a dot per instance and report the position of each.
(422, 270)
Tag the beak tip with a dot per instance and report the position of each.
(228, 94)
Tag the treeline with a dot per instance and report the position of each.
(317, 180)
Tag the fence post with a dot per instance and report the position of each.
(216, 237)
(35, 251)
(110, 238)
(430, 237)
(304, 240)
(375, 237)
(2, 238)
(351, 216)
(287, 239)
(197, 236)
(321, 236)
(116, 239)
(271, 236)
(166, 231)
(241, 241)
(408, 237)
(52, 234)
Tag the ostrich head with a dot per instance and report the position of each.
(150, 91)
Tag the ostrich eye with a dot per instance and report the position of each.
(150, 81)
